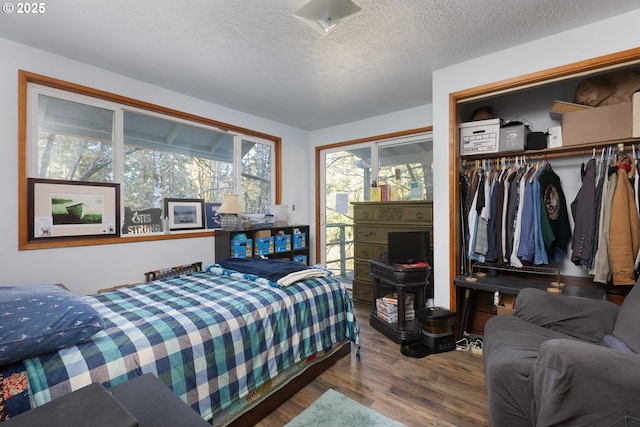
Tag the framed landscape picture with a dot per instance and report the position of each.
(72, 209)
(184, 214)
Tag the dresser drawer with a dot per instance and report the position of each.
(362, 291)
(368, 251)
(419, 214)
(377, 234)
(371, 234)
(362, 271)
(365, 213)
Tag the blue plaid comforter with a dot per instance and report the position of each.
(212, 338)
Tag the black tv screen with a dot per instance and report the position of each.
(408, 247)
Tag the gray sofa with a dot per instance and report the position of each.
(561, 360)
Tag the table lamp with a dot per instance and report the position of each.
(229, 210)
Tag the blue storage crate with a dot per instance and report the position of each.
(300, 258)
(299, 240)
(263, 246)
(283, 243)
(241, 248)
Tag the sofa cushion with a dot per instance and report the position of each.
(39, 319)
(510, 349)
(581, 318)
(626, 327)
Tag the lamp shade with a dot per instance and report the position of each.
(230, 204)
(324, 15)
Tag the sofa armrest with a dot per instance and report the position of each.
(578, 383)
(582, 318)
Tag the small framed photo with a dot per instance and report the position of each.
(72, 209)
(184, 214)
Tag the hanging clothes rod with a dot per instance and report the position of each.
(552, 154)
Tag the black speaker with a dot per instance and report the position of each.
(536, 141)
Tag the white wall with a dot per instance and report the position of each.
(601, 38)
(87, 269)
(411, 118)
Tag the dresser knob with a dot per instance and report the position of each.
(419, 215)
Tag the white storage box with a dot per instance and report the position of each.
(479, 137)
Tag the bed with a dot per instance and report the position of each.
(227, 343)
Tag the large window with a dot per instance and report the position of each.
(153, 153)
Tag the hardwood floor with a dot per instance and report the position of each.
(446, 389)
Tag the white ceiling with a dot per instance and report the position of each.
(254, 56)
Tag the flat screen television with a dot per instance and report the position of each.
(408, 247)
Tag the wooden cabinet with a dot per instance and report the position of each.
(297, 250)
(372, 222)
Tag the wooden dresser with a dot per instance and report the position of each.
(373, 220)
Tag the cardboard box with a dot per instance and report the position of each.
(561, 107)
(507, 304)
(263, 246)
(283, 243)
(241, 248)
(513, 138)
(479, 137)
(260, 234)
(601, 124)
(299, 240)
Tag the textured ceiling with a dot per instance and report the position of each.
(254, 56)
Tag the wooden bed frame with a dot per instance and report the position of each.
(271, 402)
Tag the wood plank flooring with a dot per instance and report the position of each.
(446, 389)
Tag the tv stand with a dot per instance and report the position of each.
(400, 279)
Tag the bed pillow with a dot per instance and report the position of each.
(39, 319)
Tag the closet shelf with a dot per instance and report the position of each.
(527, 269)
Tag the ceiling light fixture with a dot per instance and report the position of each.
(325, 15)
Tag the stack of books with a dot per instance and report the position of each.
(387, 307)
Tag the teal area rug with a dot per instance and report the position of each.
(334, 409)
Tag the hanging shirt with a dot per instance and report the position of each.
(526, 247)
(554, 217)
(514, 260)
(601, 265)
(624, 238)
(600, 179)
(540, 254)
(583, 212)
(492, 228)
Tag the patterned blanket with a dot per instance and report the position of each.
(212, 338)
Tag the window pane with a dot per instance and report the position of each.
(408, 166)
(256, 177)
(75, 141)
(170, 159)
(347, 173)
